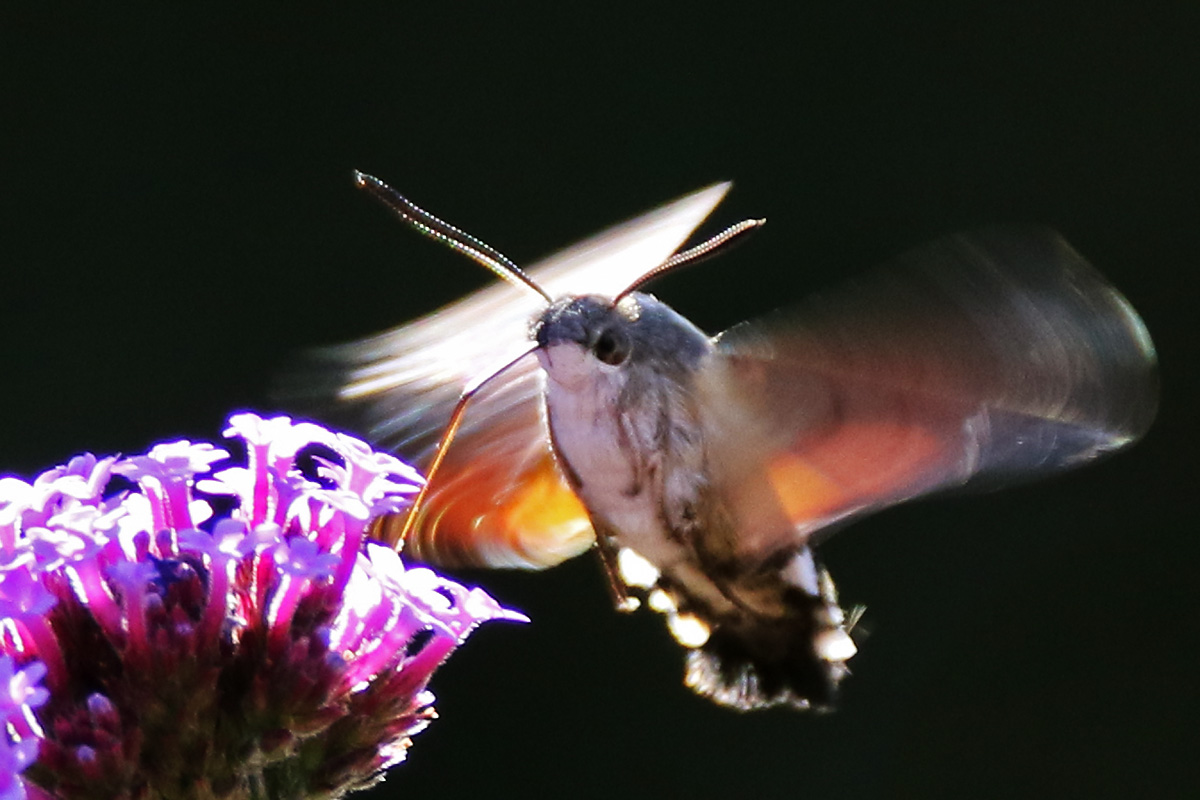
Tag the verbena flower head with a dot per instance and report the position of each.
(170, 630)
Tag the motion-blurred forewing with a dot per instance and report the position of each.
(497, 499)
(986, 357)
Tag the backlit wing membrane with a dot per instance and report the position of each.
(983, 358)
(497, 499)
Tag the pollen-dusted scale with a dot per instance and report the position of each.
(702, 469)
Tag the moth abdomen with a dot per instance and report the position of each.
(754, 660)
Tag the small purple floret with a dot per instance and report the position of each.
(146, 646)
(20, 733)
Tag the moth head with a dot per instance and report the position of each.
(590, 334)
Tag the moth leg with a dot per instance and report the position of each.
(617, 590)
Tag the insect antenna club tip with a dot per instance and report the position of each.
(362, 179)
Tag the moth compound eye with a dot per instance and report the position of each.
(611, 347)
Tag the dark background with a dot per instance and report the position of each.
(178, 218)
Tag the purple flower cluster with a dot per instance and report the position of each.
(170, 630)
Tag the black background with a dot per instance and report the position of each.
(178, 217)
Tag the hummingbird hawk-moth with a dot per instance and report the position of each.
(586, 414)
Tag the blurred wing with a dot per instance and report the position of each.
(498, 499)
(984, 358)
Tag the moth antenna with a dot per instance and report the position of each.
(427, 224)
(694, 255)
(854, 617)
(414, 511)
